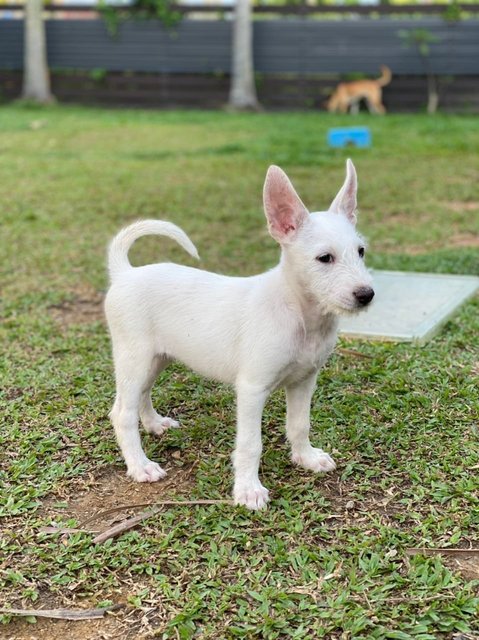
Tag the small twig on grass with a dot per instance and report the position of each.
(352, 352)
(449, 551)
(126, 525)
(62, 614)
(140, 505)
(125, 507)
(130, 523)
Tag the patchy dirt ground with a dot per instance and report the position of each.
(84, 306)
(459, 206)
(457, 239)
(107, 498)
(467, 565)
(105, 629)
(101, 502)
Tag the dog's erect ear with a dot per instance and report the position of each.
(345, 202)
(283, 208)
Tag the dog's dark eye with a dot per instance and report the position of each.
(361, 252)
(325, 258)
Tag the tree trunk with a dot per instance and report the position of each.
(243, 90)
(432, 94)
(36, 79)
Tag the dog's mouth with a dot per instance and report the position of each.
(349, 311)
(360, 301)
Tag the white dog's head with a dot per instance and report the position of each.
(321, 251)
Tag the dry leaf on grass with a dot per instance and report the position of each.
(448, 551)
(62, 614)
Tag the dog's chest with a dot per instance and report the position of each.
(311, 353)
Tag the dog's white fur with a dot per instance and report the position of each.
(258, 333)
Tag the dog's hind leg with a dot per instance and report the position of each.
(151, 420)
(298, 399)
(133, 372)
(375, 105)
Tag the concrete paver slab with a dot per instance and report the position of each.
(410, 307)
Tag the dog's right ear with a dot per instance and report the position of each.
(284, 210)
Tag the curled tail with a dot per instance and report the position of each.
(385, 77)
(121, 243)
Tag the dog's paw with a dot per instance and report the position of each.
(253, 496)
(314, 460)
(147, 472)
(159, 424)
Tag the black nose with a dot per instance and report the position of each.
(364, 295)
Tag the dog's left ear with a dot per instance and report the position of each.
(283, 207)
(345, 202)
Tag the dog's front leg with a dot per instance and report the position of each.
(248, 489)
(298, 399)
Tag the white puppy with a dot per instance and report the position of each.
(259, 333)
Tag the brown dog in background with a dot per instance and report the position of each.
(347, 95)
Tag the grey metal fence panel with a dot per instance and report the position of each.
(304, 46)
(140, 46)
(362, 45)
(11, 45)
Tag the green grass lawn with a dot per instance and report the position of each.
(329, 558)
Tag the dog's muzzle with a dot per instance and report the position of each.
(363, 295)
